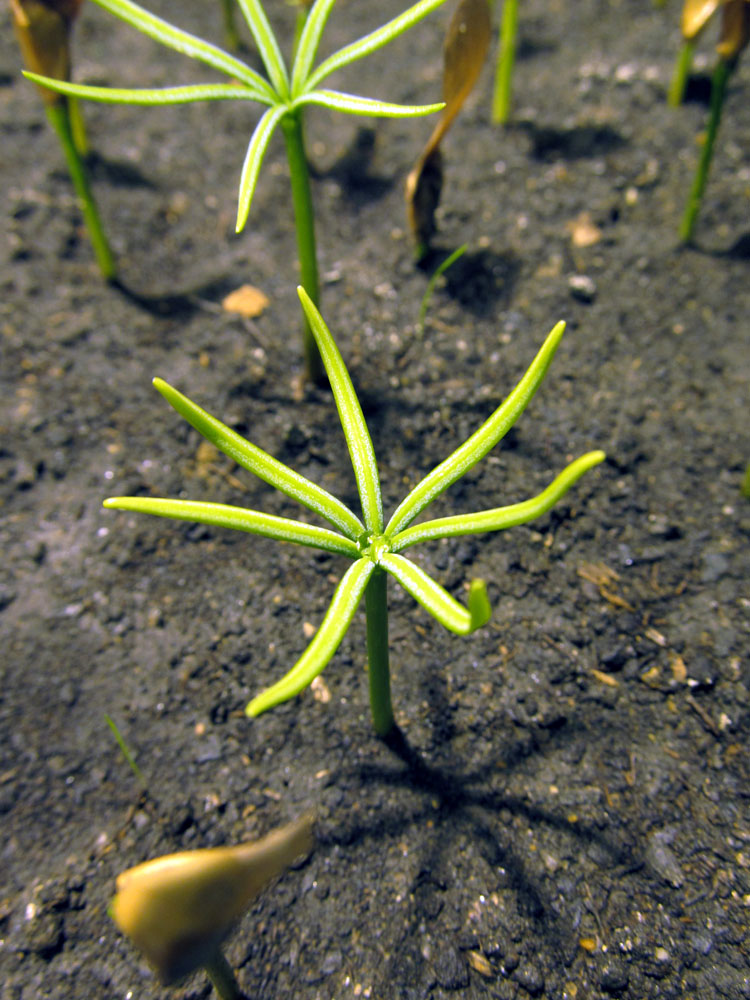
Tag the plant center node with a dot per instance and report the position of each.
(373, 546)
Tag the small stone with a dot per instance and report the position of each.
(450, 968)
(582, 288)
(530, 978)
(614, 976)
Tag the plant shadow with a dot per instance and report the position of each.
(481, 281)
(548, 142)
(454, 802)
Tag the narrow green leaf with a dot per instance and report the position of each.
(255, 522)
(155, 96)
(262, 465)
(434, 598)
(308, 43)
(498, 518)
(268, 47)
(481, 441)
(182, 41)
(352, 105)
(375, 40)
(325, 643)
(358, 439)
(253, 160)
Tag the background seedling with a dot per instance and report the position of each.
(734, 37)
(374, 547)
(179, 908)
(506, 57)
(43, 31)
(464, 50)
(432, 284)
(286, 95)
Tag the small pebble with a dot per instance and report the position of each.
(582, 287)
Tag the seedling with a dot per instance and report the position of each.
(374, 548)
(285, 94)
(506, 57)
(43, 32)
(432, 284)
(466, 42)
(179, 908)
(734, 37)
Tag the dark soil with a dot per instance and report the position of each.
(570, 814)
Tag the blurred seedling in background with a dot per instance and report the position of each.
(374, 548)
(464, 50)
(432, 285)
(43, 29)
(178, 909)
(734, 35)
(286, 95)
(506, 57)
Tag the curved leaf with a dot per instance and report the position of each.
(481, 441)
(154, 96)
(182, 41)
(358, 439)
(255, 522)
(350, 104)
(254, 158)
(263, 465)
(498, 518)
(436, 599)
(325, 643)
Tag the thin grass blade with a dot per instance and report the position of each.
(255, 522)
(263, 465)
(352, 105)
(498, 518)
(481, 441)
(253, 160)
(268, 47)
(358, 439)
(436, 599)
(375, 40)
(325, 643)
(182, 41)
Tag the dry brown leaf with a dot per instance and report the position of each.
(696, 15)
(735, 28)
(247, 300)
(464, 51)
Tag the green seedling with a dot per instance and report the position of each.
(374, 547)
(745, 484)
(178, 909)
(734, 37)
(286, 95)
(506, 57)
(432, 284)
(126, 751)
(43, 32)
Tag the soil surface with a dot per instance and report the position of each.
(569, 813)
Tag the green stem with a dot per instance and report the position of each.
(220, 973)
(231, 36)
(78, 127)
(680, 75)
(376, 607)
(505, 59)
(304, 220)
(59, 117)
(719, 83)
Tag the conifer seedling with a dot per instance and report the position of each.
(375, 548)
(286, 94)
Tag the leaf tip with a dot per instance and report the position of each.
(479, 604)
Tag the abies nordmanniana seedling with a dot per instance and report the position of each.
(285, 93)
(374, 547)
